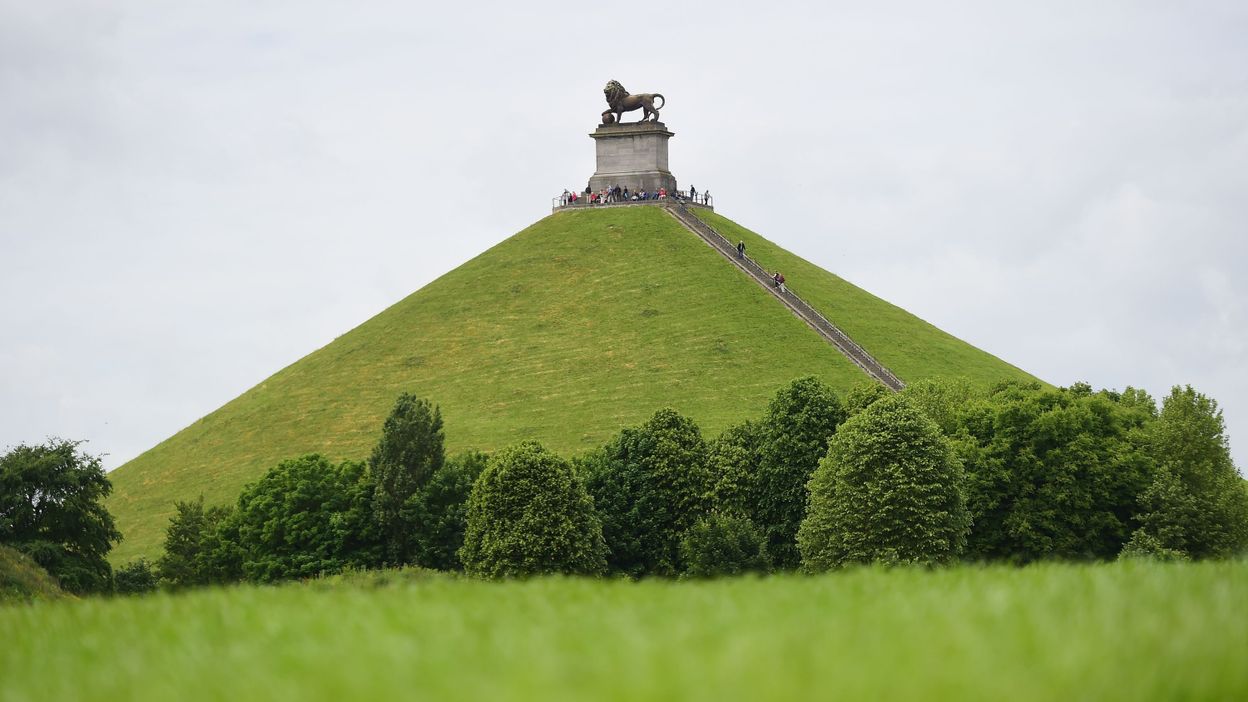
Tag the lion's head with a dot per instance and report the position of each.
(614, 92)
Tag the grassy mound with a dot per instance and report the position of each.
(907, 345)
(1053, 632)
(23, 580)
(584, 322)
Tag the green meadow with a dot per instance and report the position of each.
(1124, 631)
(579, 325)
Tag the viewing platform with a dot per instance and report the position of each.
(583, 202)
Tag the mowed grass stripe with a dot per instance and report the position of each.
(581, 324)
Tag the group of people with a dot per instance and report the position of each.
(616, 194)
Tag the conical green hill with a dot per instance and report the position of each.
(585, 322)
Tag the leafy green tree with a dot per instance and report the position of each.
(862, 395)
(185, 561)
(303, 518)
(529, 514)
(800, 420)
(723, 544)
(439, 512)
(943, 400)
(409, 453)
(135, 578)
(1196, 506)
(651, 485)
(1053, 473)
(889, 491)
(732, 463)
(52, 509)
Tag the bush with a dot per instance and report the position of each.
(800, 420)
(889, 491)
(724, 545)
(305, 517)
(650, 485)
(52, 509)
(529, 514)
(135, 578)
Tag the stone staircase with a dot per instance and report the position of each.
(829, 331)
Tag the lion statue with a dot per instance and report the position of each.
(620, 102)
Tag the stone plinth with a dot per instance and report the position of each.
(632, 156)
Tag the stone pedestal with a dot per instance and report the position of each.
(632, 156)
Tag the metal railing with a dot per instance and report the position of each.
(808, 314)
(561, 202)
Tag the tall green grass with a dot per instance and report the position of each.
(1052, 632)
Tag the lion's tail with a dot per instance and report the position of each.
(660, 96)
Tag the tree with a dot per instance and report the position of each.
(303, 518)
(1196, 506)
(800, 420)
(52, 509)
(1053, 473)
(889, 491)
(186, 561)
(732, 465)
(862, 395)
(439, 512)
(721, 545)
(529, 514)
(409, 453)
(653, 483)
(135, 578)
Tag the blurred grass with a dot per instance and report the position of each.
(1051, 632)
(577, 326)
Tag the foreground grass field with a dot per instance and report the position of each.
(1116, 632)
(581, 324)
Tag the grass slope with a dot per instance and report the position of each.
(1051, 632)
(23, 580)
(581, 324)
(907, 345)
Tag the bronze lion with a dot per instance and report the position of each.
(620, 102)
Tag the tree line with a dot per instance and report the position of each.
(941, 472)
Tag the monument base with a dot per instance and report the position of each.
(632, 155)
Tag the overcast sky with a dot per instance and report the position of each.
(194, 195)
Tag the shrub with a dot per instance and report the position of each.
(724, 545)
(529, 514)
(800, 420)
(135, 578)
(650, 485)
(305, 517)
(889, 491)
